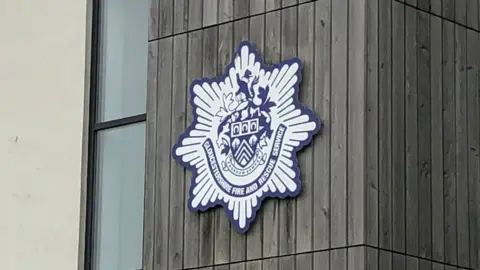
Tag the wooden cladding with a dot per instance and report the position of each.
(396, 166)
(423, 189)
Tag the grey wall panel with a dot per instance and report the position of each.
(398, 128)
(427, 143)
(396, 165)
(372, 113)
(322, 85)
(163, 137)
(436, 82)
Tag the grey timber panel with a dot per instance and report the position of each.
(287, 207)
(192, 220)
(411, 131)
(321, 147)
(180, 18)
(270, 207)
(461, 153)
(356, 258)
(304, 226)
(338, 125)
(254, 236)
(150, 160)
(385, 260)
(240, 33)
(355, 125)
(385, 125)
(210, 12)
(165, 17)
(449, 179)
(163, 159)
(273, 4)
(207, 219)
(222, 224)
(399, 262)
(372, 132)
(436, 82)
(424, 146)
(177, 184)
(338, 259)
(473, 104)
(398, 128)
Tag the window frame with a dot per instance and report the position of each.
(92, 127)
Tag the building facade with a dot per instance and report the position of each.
(391, 181)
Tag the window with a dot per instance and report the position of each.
(115, 189)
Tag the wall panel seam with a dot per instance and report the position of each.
(233, 20)
(437, 15)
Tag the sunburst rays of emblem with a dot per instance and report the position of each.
(247, 127)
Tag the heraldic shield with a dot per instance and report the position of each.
(247, 127)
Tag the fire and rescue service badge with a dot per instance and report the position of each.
(247, 127)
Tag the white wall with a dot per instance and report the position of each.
(42, 70)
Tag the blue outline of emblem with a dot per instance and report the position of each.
(198, 152)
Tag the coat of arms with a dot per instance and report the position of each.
(246, 130)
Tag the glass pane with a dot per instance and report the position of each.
(123, 58)
(119, 198)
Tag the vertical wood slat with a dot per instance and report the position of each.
(473, 105)
(272, 4)
(338, 259)
(385, 260)
(436, 137)
(165, 18)
(438, 266)
(412, 263)
(241, 8)
(287, 217)
(372, 104)
(356, 258)
(222, 224)
(306, 159)
(151, 152)
(424, 265)
(436, 7)
(287, 3)
(304, 261)
(339, 43)
(424, 147)
(399, 262)
(162, 178)
(472, 14)
(448, 9)
(257, 6)
(411, 118)
(180, 16)
(237, 240)
(207, 219)
(321, 145)
(225, 11)
(210, 12)
(461, 11)
(192, 220)
(356, 120)
(449, 180)
(321, 260)
(271, 206)
(385, 125)
(371, 260)
(398, 127)
(195, 14)
(425, 4)
(177, 185)
(254, 235)
(153, 20)
(461, 153)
